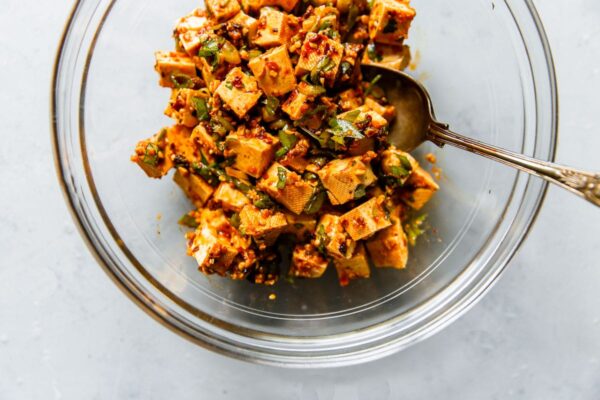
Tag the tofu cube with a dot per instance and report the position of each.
(342, 177)
(249, 24)
(180, 146)
(181, 106)
(222, 10)
(256, 5)
(274, 72)
(307, 262)
(212, 253)
(350, 99)
(386, 111)
(239, 91)
(286, 187)
(390, 21)
(175, 69)
(272, 28)
(423, 187)
(252, 154)
(389, 247)
(194, 187)
(188, 30)
(392, 56)
(230, 198)
(302, 226)
(262, 225)
(398, 164)
(354, 267)
(322, 56)
(151, 155)
(296, 105)
(206, 142)
(320, 19)
(366, 219)
(331, 238)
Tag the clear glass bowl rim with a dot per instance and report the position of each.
(228, 340)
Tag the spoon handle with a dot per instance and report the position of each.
(582, 183)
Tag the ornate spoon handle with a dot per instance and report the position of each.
(582, 183)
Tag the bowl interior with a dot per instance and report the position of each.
(471, 59)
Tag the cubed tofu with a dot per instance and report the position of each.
(286, 187)
(331, 238)
(249, 24)
(398, 164)
(274, 72)
(181, 106)
(189, 28)
(390, 21)
(194, 187)
(256, 5)
(212, 253)
(206, 142)
(397, 57)
(180, 147)
(354, 267)
(175, 69)
(342, 177)
(151, 155)
(223, 10)
(253, 154)
(386, 111)
(239, 91)
(350, 99)
(229, 197)
(296, 105)
(368, 122)
(389, 247)
(422, 187)
(366, 219)
(321, 55)
(272, 28)
(307, 262)
(263, 225)
(302, 226)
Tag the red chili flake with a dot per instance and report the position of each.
(273, 66)
(237, 82)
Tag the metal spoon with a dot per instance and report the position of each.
(416, 123)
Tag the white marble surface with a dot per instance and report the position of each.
(67, 332)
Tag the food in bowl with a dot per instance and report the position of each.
(278, 136)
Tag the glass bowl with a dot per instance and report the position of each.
(490, 73)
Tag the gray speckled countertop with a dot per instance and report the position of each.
(67, 332)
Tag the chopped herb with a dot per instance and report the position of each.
(314, 111)
(324, 25)
(414, 228)
(254, 53)
(399, 171)
(322, 137)
(321, 237)
(201, 108)
(345, 129)
(151, 154)
(287, 140)
(263, 201)
(271, 105)
(281, 177)
(316, 201)
(188, 220)
(209, 173)
(224, 123)
(235, 220)
(372, 53)
(239, 185)
(345, 67)
(310, 176)
(361, 191)
(181, 81)
(352, 16)
(325, 64)
(209, 48)
(391, 26)
(351, 116)
(311, 90)
(228, 85)
(405, 162)
(372, 84)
